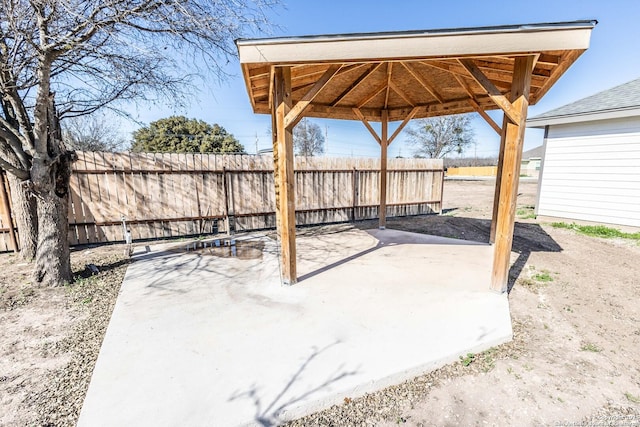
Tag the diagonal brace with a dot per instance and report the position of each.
(373, 132)
(297, 111)
(406, 120)
(494, 93)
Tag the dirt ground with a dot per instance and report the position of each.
(574, 359)
(50, 337)
(574, 305)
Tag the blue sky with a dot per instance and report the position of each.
(612, 59)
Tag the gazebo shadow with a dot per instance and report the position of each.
(527, 238)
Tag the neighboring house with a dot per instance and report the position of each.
(531, 162)
(591, 158)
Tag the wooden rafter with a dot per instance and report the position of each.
(372, 95)
(247, 82)
(546, 58)
(567, 59)
(400, 92)
(455, 106)
(493, 92)
(357, 82)
(297, 112)
(498, 76)
(426, 85)
(272, 80)
(389, 74)
(444, 67)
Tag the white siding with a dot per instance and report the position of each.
(591, 172)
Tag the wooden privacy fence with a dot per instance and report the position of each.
(171, 195)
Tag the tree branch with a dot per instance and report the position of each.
(19, 173)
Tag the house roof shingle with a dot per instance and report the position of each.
(618, 101)
(534, 152)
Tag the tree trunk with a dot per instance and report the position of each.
(53, 265)
(24, 212)
(50, 175)
(51, 184)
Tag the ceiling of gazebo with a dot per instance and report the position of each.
(422, 74)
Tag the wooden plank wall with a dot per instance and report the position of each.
(172, 195)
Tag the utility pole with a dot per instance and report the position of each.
(256, 142)
(326, 139)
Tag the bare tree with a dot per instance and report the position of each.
(437, 137)
(307, 138)
(69, 58)
(92, 133)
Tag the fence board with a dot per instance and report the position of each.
(170, 195)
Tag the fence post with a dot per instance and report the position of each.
(441, 189)
(7, 208)
(355, 183)
(225, 190)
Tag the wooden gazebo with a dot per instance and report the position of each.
(399, 76)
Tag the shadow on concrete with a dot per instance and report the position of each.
(527, 237)
(341, 262)
(170, 259)
(267, 414)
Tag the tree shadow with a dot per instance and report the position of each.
(88, 271)
(268, 414)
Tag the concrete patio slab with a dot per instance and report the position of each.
(198, 339)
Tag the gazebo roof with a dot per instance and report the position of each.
(410, 74)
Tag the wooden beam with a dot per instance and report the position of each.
(353, 86)
(394, 87)
(496, 191)
(373, 132)
(284, 176)
(426, 85)
(476, 106)
(389, 73)
(297, 112)
(271, 91)
(510, 173)
(373, 94)
(247, 82)
(565, 62)
(382, 214)
(500, 78)
(493, 92)
(410, 116)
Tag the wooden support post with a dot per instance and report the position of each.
(496, 192)
(284, 176)
(383, 170)
(513, 132)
